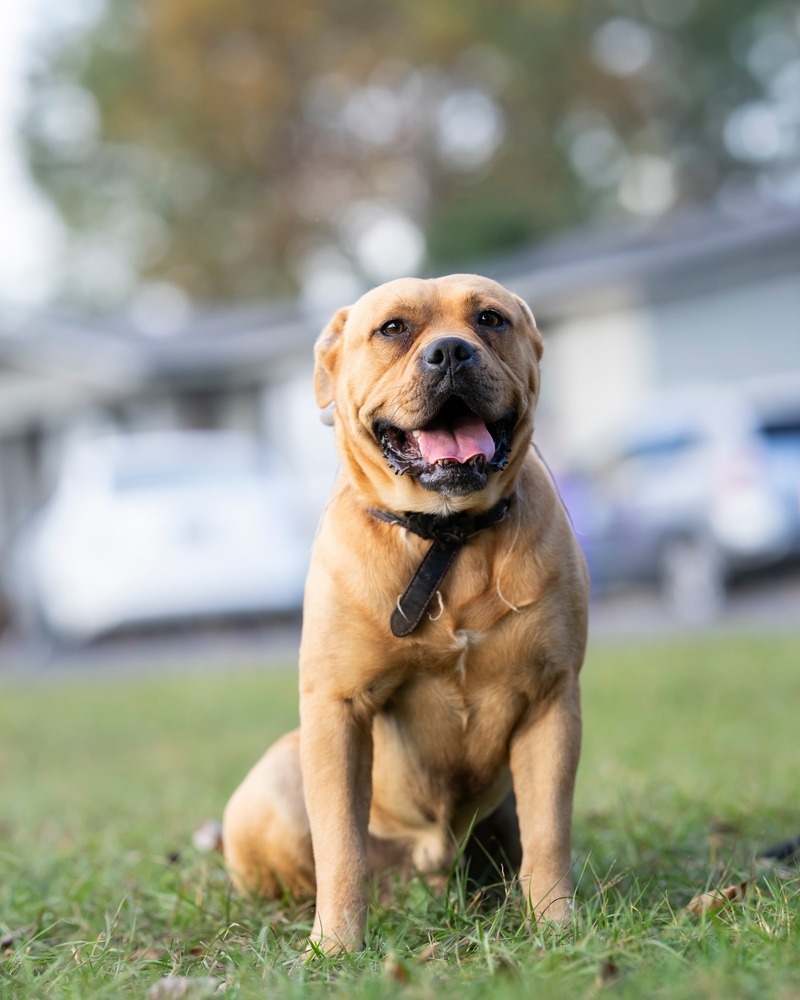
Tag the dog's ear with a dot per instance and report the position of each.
(536, 337)
(326, 357)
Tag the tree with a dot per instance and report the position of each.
(245, 148)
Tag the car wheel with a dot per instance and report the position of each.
(693, 579)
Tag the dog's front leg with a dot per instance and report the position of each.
(544, 761)
(336, 756)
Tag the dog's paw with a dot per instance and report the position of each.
(331, 945)
(335, 937)
(552, 905)
(555, 908)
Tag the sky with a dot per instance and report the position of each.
(30, 231)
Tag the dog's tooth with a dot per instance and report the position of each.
(415, 435)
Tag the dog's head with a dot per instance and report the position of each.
(433, 384)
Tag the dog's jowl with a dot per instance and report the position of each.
(444, 623)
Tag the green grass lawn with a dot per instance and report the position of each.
(690, 769)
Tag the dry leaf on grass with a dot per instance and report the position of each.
(607, 975)
(148, 954)
(716, 898)
(395, 969)
(207, 838)
(428, 953)
(184, 988)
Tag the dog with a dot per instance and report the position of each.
(444, 624)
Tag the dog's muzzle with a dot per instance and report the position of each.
(460, 440)
(452, 453)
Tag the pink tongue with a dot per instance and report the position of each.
(462, 441)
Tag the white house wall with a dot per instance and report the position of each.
(596, 368)
(299, 442)
(730, 335)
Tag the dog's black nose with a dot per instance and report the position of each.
(448, 352)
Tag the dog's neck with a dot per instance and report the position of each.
(446, 527)
(448, 534)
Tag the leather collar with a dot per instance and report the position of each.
(448, 534)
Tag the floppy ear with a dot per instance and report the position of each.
(536, 337)
(326, 357)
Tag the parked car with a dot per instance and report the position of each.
(147, 528)
(701, 487)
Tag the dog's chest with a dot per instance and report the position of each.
(458, 694)
(456, 703)
(465, 641)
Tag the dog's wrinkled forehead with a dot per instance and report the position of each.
(434, 301)
(367, 344)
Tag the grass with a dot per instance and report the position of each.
(689, 770)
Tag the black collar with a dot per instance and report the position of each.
(448, 535)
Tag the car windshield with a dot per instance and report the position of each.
(663, 446)
(782, 433)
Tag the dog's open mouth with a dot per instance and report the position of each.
(455, 451)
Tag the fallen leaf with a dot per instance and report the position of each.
(237, 942)
(183, 988)
(607, 975)
(150, 954)
(428, 953)
(394, 969)
(716, 898)
(207, 838)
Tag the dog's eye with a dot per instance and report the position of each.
(394, 328)
(491, 318)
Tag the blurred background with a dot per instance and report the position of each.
(189, 188)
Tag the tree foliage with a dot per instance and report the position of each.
(246, 148)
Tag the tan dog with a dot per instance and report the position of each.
(418, 713)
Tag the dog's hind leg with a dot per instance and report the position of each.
(265, 832)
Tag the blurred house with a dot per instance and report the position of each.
(234, 369)
(711, 300)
